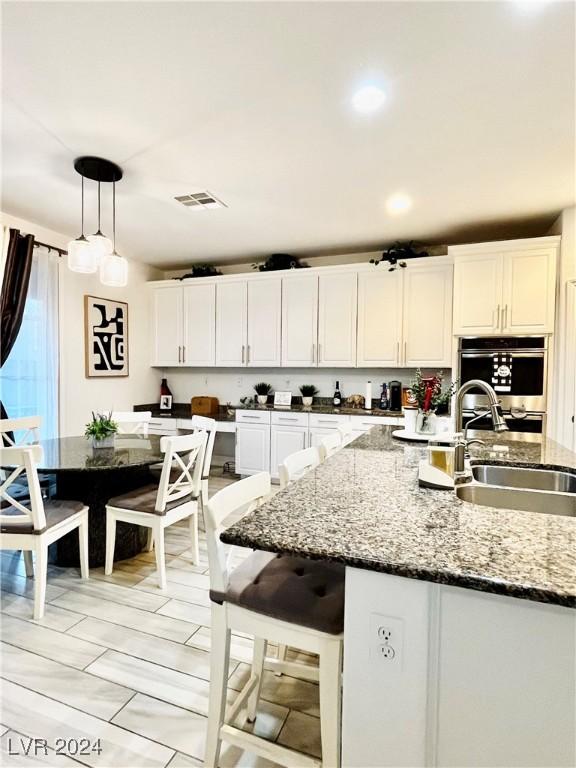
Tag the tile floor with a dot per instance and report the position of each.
(115, 659)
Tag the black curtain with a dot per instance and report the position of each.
(14, 292)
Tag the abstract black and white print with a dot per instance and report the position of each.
(106, 332)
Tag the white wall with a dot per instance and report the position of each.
(79, 395)
(563, 405)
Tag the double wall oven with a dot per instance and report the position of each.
(516, 368)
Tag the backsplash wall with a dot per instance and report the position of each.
(230, 384)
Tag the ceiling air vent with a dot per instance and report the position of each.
(200, 201)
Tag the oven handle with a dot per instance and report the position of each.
(514, 353)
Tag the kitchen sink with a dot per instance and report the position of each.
(522, 477)
(517, 497)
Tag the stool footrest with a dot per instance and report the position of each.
(267, 749)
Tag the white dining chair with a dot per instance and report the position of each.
(346, 431)
(330, 444)
(33, 528)
(173, 499)
(297, 464)
(22, 431)
(132, 422)
(277, 598)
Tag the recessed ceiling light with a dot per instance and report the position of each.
(368, 99)
(398, 203)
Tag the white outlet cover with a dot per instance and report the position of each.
(387, 631)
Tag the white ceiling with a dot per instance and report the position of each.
(252, 102)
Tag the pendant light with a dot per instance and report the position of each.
(82, 255)
(114, 268)
(101, 243)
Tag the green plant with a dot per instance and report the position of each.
(308, 390)
(201, 270)
(101, 426)
(397, 254)
(427, 391)
(262, 388)
(279, 261)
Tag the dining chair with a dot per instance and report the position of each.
(330, 444)
(22, 431)
(157, 506)
(346, 431)
(132, 422)
(274, 598)
(34, 527)
(297, 464)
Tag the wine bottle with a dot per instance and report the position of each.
(384, 398)
(164, 388)
(337, 395)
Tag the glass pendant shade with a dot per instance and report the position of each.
(82, 256)
(114, 271)
(101, 243)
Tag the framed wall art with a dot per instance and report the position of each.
(105, 337)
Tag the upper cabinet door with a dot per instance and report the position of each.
(300, 321)
(529, 291)
(477, 294)
(337, 304)
(199, 324)
(427, 315)
(167, 326)
(264, 322)
(379, 318)
(231, 316)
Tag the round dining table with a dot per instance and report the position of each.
(94, 476)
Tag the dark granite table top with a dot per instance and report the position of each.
(363, 507)
(76, 454)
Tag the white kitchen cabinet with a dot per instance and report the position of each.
(300, 321)
(231, 323)
(285, 440)
(529, 289)
(167, 327)
(337, 306)
(379, 318)
(199, 339)
(507, 287)
(361, 424)
(427, 315)
(264, 323)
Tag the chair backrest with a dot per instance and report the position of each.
(207, 425)
(346, 432)
(329, 444)
(234, 501)
(297, 464)
(132, 422)
(24, 460)
(184, 453)
(29, 426)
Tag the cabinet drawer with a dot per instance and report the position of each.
(365, 422)
(290, 419)
(328, 420)
(162, 427)
(253, 417)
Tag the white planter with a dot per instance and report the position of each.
(410, 415)
(307, 401)
(107, 442)
(262, 399)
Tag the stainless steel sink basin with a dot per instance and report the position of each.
(522, 477)
(525, 499)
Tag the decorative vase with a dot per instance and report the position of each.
(410, 416)
(426, 423)
(106, 442)
(262, 399)
(307, 401)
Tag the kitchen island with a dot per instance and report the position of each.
(459, 628)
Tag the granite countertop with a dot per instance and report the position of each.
(363, 507)
(182, 410)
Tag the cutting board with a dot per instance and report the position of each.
(204, 406)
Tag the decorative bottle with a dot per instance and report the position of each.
(164, 388)
(337, 396)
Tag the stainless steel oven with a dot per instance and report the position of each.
(516, 368)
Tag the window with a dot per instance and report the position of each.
(29, 378)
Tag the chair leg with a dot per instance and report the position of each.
(150, 540)
(110, 542)
(28, 563)
(331, 701)
(219, 661)
(281, 657)
(83, 544)
(40, 577)
(160, 555)
(194, 538)
(258, 670)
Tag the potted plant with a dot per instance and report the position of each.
(102, 430)
(308, 392)
(262, 391)
(429, 396)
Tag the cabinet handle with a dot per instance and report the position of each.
(498, 317)
(247, 354)
(405, 352)
(250, 417)
(184, 353)
(504, 316)
(319, 353)
(242, 354)
(179, 354)
(397, 351)
(285, 418)
(313, 345)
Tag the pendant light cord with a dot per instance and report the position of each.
(114, 216)
(82, 177)
(99, 205)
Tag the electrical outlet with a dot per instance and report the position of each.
(386, 639)
(239, 381)
(205, 381)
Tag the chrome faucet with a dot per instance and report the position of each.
(498, 422)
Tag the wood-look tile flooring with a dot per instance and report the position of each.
(116, 659)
